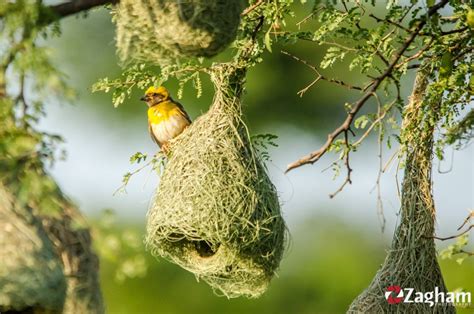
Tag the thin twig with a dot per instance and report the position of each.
(416, 55)
(397, 182)
(468, 218)
(454, 31)
(389, 161)
(357, 24)
(463, 53)
(258, 27)
(21, 98)
(380, 209)
(347, 164)
(344, 127)
(333, 43)
(252, 7)
(321, 42)
(380, 117)
(454, 236)
(319, 76)
(306, 18)
(452, 18)
(379, 20)
(122, 187)
(406, 13)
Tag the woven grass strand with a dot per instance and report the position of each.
(411, 262)
(161, 31)
(216, 212)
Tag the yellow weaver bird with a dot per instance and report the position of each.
(166, 117)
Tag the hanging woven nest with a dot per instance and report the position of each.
(216, 212)
(161, 31)
(411, 262)
(73, 242)
(31, 276)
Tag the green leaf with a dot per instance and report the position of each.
(331, 56)
(361, 122)
(21, 145)
(470, 18)
(268, 41)
(460, 260)
(446, 64)
(138, 157)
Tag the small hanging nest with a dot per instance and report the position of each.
(411, 262)
(73, 243)
(216, 212)
(161, 31)
(31, 276)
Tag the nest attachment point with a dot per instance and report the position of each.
(161, 31)
(216, 212)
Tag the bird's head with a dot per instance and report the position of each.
(155, 95)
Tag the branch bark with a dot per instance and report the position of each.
(77, 6)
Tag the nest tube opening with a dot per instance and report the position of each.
(216, 213)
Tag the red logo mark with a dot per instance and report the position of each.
(391, 291)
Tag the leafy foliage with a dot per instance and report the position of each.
(457, 250)
(255, 35)
(157, 164)
(384, 44)
(262, 142)
(23, 148)
(350, 34)
(358, 35)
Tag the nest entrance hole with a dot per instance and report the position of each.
(204, 249)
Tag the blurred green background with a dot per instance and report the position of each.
(327, 265)
(336, 245)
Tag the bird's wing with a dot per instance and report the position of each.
(153, 135)
(184, 113)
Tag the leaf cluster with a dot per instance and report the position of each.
(27, 79)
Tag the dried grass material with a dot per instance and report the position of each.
(73, 242)
(216, 212)
(160, 31)
(56, 249)
(412, 261)
(31, 276)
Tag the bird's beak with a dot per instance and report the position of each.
(143, 98)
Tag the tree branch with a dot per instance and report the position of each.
(77, 6)
(454, 31)
(251, 8)
(345, 126)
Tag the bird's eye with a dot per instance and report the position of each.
(155, 94)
